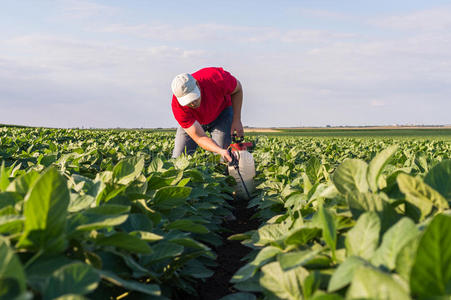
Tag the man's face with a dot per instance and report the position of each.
(194, 104)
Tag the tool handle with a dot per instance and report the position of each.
(234, 162)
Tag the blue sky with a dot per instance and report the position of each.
(68, 63)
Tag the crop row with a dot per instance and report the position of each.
(103, 214)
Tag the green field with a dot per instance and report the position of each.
(107, 214)
(337, 132)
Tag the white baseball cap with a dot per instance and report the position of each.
(185, 88)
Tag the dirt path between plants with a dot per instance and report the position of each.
(229, 254)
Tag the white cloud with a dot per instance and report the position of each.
(313, 77)
(80, 9)
(220, 33)
(438, 19)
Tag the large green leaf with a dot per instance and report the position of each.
(45, 212)
(171, 196)
(393, 241)
(329, 228)
(76, 278)
(370, 283)
(127, 170)
(249, 270)
(363, 239)
(188, 225)
(124, 241)
(103, 216)
(377, 164)
(406, 258)
(23, 183)
(11, 223)
(379, 203)
(42, 268)
(10, 267)
(350, 176)
(439, 178)
(302, 236)
(345, 272)
(431, 272)
(420, 194)
(283, 284)
(313, 169)
(295, 259)
(149, 289)
(9, 199)
(269, 233)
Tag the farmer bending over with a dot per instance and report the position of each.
(207, 100)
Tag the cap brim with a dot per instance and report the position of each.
(190, 97)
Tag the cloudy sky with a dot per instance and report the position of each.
(109, 63)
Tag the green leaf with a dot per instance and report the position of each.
(127, 170)
(350, 176)
(124, 241)
(45, 213)
(370, 283)
(11, 223)
(171, 196)
(431, 272)
(162, 250)
(4, 177)
(377, 164)
(23, 183)
(311, 284)
(439, 177)
(148, 289)
(249, 270)
(269, 233)
(363, 239)
(103, 216)
(80, 202)
(190, 243)
(147, 236)
(156, 165)
(9, 199)
(42, 268)
(313, 169)
(406, 258)
(393, 241)
(181, 162)
(188, 225)
(420, 194)
(295, 259)
(284, 285)
(379, 203)
(329, 228)
(345, 272)
(10, 267)
(302, 236)
(76, 278)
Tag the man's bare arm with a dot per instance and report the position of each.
(197, 133)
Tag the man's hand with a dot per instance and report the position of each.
(238, 127)
(225, 154)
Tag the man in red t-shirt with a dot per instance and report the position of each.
(208, 100)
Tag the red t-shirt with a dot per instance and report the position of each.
(216, 85)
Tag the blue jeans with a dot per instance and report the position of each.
(219, 130)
